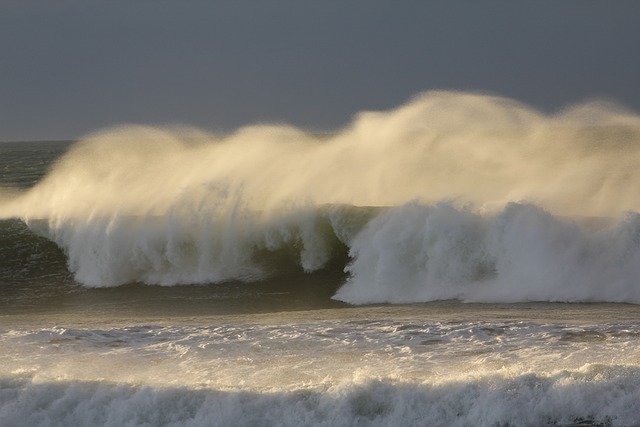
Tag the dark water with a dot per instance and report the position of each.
(22, 164)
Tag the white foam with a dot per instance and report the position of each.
(594, 395)
(323, 372)
(421, 253)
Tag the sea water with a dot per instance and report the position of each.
(462, 260)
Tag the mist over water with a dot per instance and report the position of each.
(470, 148)
(452, 195)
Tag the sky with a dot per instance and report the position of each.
(70, 67)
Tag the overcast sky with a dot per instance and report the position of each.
(71, 67)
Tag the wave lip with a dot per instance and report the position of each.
(203, 247)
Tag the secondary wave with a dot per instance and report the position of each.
(562, 399)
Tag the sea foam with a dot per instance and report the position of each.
(594, 395)
(522, 253)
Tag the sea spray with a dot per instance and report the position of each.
(478, 149)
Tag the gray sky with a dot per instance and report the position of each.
(71, 67)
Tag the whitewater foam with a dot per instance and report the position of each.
(564, 399)
(410, 253)
(335, 371)
(423, 253)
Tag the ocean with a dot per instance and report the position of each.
(462, 260)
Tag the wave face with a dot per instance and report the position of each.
(453, 195)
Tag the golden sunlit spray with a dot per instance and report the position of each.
(470, 148)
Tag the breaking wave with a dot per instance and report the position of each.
(451, 196)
